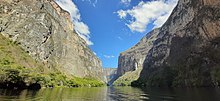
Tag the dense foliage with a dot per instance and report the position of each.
(11, 73)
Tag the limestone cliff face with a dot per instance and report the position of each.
(46, 32)
(186, 51)
(132, 59)
(109, 73)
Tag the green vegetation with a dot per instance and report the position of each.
(216, 76)
(16, 74)
(19, 70)
(127, 78)
(82, 82)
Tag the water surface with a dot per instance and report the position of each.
(112, 94)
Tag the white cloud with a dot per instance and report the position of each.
(119, 38)
(81, 28)
(122, 14)
(126, 2)
(155, 12)
(93, 2)
(109, 56)
(95, 53)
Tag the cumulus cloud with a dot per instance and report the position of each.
(155, 12)
(81, 28)
(109, 56)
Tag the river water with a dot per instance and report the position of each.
(112, 94)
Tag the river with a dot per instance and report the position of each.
(112, 94)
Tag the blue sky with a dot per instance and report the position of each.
(113, 26)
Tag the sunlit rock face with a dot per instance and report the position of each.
(132, 59)
(109, 73)
(186, 51)
(46, 32)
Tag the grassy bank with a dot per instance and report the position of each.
(127, 78)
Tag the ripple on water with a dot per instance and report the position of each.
(111, 94)
(144, 97)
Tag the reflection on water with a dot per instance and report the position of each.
(56, 94)
(112, 94)
(126, 93)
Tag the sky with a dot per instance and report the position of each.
(112, 26)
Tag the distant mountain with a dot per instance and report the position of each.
(109, 73)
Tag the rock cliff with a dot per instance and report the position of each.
(46, 33)
(131, 61)
(109, 73)
(186, 51)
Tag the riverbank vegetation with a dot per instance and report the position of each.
(128, 78)
(17, 77)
